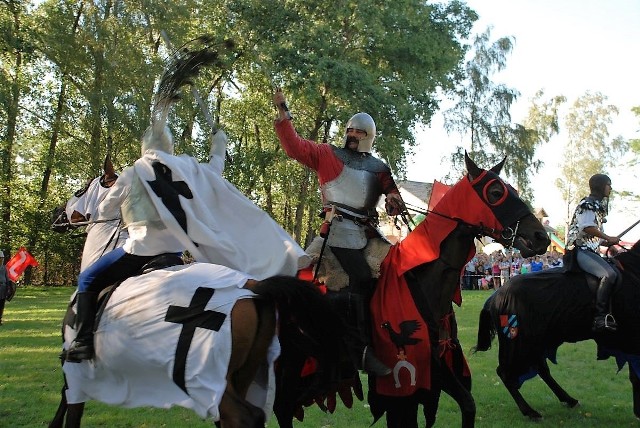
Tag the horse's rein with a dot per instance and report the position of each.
(504, 235)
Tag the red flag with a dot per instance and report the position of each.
(18, 263)
(437, 192)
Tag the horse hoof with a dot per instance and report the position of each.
(535, 416)
(572, 403)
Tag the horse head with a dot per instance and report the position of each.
(480, 204)
(109, 176)
(500, 213)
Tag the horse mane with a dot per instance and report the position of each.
(630, 260)
(301, 296)
(308, 326)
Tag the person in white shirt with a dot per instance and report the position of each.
(148, 238)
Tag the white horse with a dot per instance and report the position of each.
(195, 335)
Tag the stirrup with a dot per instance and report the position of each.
(78, 353)
(610, 322)
(605, 323)
(372, 365)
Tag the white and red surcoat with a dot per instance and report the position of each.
(349, 180)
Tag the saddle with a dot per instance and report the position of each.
(331, 273)
(159, 262)
(570, 264)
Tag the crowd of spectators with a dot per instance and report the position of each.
(490, 271)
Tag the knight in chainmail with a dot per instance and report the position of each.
(586, 234)
(351, 183)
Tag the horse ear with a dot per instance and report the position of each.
(473, 169)
(109, 171)
(499, 167)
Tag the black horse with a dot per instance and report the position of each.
(425, 269)
(533, 314)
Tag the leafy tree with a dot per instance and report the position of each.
(632, 160)
(100, 60)
(15, 52)
(482, 111)
(541, 123)
(482, 106)
(335, 58)
(589, 149)
(634, 143)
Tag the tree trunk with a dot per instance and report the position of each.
(6, 149)
(303, 199)
(44, 186)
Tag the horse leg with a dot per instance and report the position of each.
(430, 406)
(402, 412)
(288, 387)
(461, 394)
(58, 419)
(563, 396)
(266, 328)
(635, 383)
(514, 390)
(247, 353)
(74, 415)
(73, 412)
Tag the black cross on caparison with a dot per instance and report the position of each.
(169, 191)
(191, 317)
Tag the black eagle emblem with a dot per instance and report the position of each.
(403, 338)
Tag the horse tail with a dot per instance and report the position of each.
(486, 328)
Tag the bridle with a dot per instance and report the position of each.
(506, 236)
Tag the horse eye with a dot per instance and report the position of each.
(495, 193)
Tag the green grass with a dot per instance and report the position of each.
(30, 380)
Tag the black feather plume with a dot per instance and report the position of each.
(184, 66)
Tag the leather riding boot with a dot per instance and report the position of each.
(604, 321)
(82, 346)
(358, 339)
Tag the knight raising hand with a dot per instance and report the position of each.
(351, 182)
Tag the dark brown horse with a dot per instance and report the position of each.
(419, 279)
(534, 314)
(159, 307)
